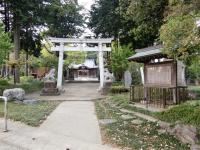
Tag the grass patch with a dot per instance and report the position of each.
(187, 113)
(127, 135)
(32, 115)
(120, 100)
(123, 101)
(140, 110)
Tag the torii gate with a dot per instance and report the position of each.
(68, 44)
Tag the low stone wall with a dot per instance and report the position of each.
(185, 133)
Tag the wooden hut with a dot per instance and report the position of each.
(163, 79)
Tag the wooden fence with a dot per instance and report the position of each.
(158, 96)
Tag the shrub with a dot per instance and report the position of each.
(194, 90)
(187, 113)
(4, 82)
(25, 79)
(118, 89)
(32, 86)
(117, 83)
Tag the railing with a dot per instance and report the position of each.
(158, 96)
(5, 113)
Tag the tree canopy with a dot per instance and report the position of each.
(181, 33)
(181, 37)
(5, 44)
(63, 19)
(136, 22)
(119, 62)
(27, 19)
(104, 20)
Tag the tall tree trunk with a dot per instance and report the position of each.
(27, 66)
(7, 71)
(16, 32)
(3, 70)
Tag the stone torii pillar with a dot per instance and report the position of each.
(101, 66)
(60, 66)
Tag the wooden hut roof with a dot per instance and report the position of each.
(146, 54)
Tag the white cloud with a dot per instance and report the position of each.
(86, 3)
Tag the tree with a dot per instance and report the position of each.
(132, 21)
(146, 18)
(21, 14)
(63, 19)
(46, 59)
(104, 20)
(193, 70)
(181, 37)
(75, 58)
(119, 61)
(5, 44)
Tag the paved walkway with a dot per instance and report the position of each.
(73, 92)
(72, 125)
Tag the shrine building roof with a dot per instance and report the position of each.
(147, 54)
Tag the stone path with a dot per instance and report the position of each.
(73, 92)
(72, 125)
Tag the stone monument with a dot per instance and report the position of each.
(50, 85)
(127, 79)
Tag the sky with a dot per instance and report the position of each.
(87, 5)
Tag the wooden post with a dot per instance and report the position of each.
(176, 89)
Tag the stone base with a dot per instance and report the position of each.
(50, 89)
(50, 92)
(106, 88)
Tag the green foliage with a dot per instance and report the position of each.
(193, 70)
(28, 83)
(104, 20)
(117, 83)
(5, 44)
(46, 59)
(187, 113)
(32, 115)
(181, 37)
(120, 99)
(136, 22)
(119, 62)
(63, 19)
(182, 7)
(25, 79)
(75, 58)
(4, 82)
(118, 89)
(194, 90)
(147, 17)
